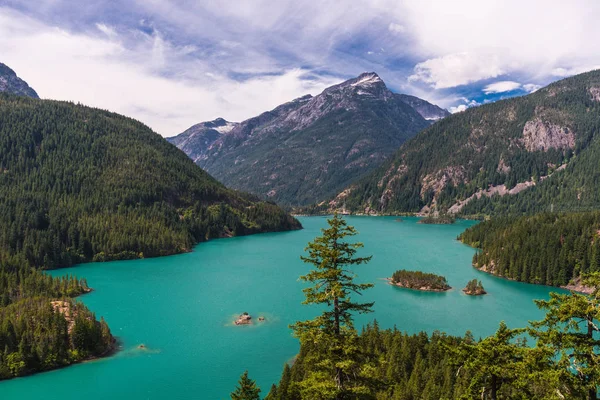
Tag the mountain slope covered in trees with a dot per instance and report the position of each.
(310, 148)
(522, 155)
(81, 184)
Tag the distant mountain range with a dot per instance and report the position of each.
(310, 148)
(11, 83)
(539, 152)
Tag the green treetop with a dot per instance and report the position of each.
(494, 364)
(246, 389)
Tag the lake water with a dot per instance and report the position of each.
(182, 307)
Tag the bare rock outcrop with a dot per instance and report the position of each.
(577, 286)
(243, 319)
(64, 308)
(595, 92)
(438, 181)
(539, 135)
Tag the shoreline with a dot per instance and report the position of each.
(111, 351)
(575, 287)
(569, 287)
(483, 293)
(475, 217)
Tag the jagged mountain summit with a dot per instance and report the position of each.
(539, 152)
(11, 83)
(195, 139)
(309, 148)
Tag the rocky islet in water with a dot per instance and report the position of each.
(474, 288)
(246, 319)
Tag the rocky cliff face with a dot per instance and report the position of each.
(11, 83)
(540, 135)
(307, 149)
(541, 150)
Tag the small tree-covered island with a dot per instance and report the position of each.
(418, 280)
(442, 219)
(474, 288)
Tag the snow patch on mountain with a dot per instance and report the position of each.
(225, 128)
(367, 79)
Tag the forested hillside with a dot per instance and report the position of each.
(522, 155)
(548, 249)
(80, 184)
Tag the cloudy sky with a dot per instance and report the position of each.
(174, 63)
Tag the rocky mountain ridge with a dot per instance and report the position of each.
(11, 83)
(304, 150)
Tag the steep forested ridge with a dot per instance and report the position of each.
(80, 184)
(549, 249)
(308, 149)
(522, 155)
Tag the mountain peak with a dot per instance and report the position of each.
(304, 150)
(11, 83)
(220, 125)
(366, 79)
(367, 84)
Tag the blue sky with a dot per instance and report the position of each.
(174, 63)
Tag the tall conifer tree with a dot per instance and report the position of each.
(331, 335)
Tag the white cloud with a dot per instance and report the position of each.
(396, 28)
(100, 71)
(531, 87)
(564, 72)
(459, 108)
(184, 69)
(501, 87)
(106, 29)
(457, 69)
(462, 107)
(535, 39)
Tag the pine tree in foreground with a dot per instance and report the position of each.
(570, 331)
(246, 389)
(331, 337)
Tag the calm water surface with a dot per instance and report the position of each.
(182, 307)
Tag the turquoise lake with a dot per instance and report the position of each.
(182, 308)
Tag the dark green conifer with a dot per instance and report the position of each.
(331, 336)
(246, 389)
